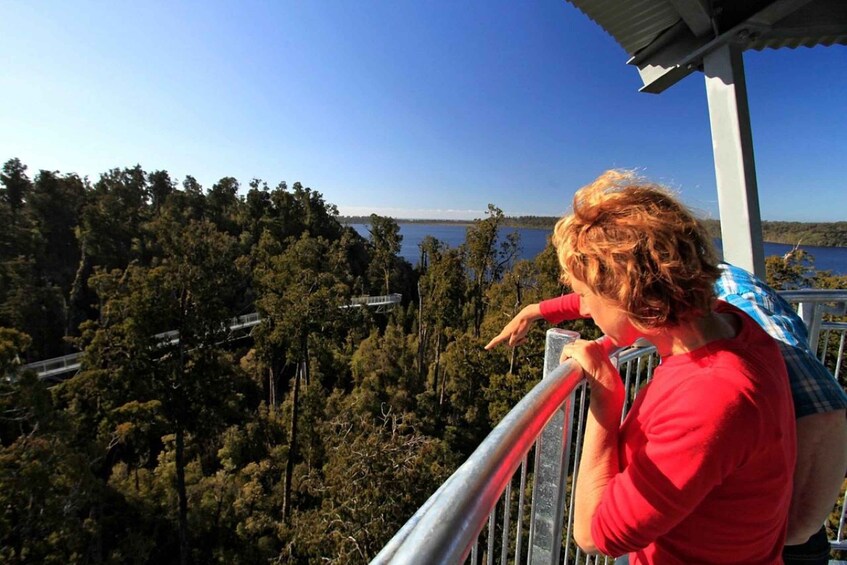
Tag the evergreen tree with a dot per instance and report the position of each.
(384, 245)
(486, 257)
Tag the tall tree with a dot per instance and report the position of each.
(110, 230)
(16, 186)
(222, 205)
(442, 297)
(485, 259)
(56, 202)
(385, 240)
(161, 186)
(183, 376)
(301, 291)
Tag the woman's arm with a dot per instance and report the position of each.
(821, 462)
(554, 310)
(599, 462)
(515, 331)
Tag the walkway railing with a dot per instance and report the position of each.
(826, 336)
(476, 514)
(57, 366)
(395, 298)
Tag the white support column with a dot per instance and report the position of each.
(735, 169)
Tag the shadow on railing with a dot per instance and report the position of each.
(451, 525)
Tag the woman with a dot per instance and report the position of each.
(701, 469)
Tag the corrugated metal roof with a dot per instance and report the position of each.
(636, 24)
(633, 24)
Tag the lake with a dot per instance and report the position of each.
(533, 241)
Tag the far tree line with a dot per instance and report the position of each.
(816, 234)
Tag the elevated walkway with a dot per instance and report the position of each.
(238, 327)
(380, 303)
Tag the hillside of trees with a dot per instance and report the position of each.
(312, 440)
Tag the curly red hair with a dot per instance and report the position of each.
(631, 241)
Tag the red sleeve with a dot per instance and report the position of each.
(561, 308)
(692, 444)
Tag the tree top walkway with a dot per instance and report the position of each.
(50, 369)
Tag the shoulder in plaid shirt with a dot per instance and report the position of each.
(812, 386)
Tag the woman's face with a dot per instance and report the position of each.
(607, 314)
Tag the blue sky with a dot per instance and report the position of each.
(409, 109)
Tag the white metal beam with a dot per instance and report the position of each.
(697, 15)
(675, 55)
(735, 169)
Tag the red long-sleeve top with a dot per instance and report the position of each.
(706, 455)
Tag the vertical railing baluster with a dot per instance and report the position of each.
(519, 534)
(810, 313)
(507, 510)
(577, 454)
(626, 388)
(825, 347)
(492, 520)
(475, 552)
(637, 377)
(551, 455)
(840, 354)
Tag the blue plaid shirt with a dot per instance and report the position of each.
(813, 388)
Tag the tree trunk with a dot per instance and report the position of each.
(306, 372)
(179, 459)
(518, 301)
(438, 368)
(77, 308)
(271, 387)
(421, 344)
(184, 548)
(292, 447)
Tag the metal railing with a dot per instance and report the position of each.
(451, 525)
(56, 366)
(51, 368)
(818, 309)
(395, 298)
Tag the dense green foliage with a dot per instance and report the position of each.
(312, 439)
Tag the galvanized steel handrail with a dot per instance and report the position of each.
(812, 304)
(446, 526)
(814, 295)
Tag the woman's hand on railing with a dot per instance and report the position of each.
(514, 333)
(603, 379)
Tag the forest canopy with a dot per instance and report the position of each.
(312, 438)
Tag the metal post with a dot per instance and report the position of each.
(812, 316)
(735, 168)
(552, 453)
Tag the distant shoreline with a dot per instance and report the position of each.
(811, 234)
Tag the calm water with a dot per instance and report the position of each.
(533, 241)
